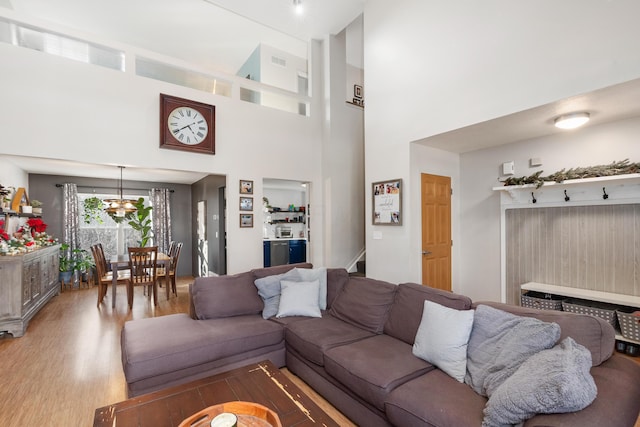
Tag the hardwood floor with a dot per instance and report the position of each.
(68, 363)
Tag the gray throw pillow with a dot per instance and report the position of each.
(500, 342)
(269, 291)
(552, 381)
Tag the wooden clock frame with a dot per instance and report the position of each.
(167, 104)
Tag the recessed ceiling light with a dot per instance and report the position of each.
(571, 121)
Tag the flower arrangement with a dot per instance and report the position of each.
(27, 238)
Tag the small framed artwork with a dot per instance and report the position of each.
(357, 91)
(387, 202)
(246, 220)
(246, 203)
(246, 187)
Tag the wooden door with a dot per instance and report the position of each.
(436, 231)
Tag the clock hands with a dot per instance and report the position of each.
(187, 126)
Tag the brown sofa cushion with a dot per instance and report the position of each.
(365, 303)
(435, 399)
(336, 279)
(225, 296)
(406, 311)
(374, 366)
(592, 332)
(312, 337)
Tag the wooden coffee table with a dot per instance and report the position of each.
(261, 383)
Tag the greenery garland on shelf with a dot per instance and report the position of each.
(623, 167)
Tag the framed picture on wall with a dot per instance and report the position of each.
(246, 203)
(246, 187)
(357, 91)
(387, 202)
(246, 220)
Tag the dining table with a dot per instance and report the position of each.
(122, 260)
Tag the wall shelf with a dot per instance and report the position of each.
(606, 190)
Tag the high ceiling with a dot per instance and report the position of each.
(219, 35)
(211, 34)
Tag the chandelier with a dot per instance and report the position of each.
(120, 207)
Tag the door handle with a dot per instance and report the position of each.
(426, 253)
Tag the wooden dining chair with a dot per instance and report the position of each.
(144, 272)
(169, 278)
(105, 278)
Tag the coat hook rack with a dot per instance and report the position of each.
(533, 198)
(605, 196)
(566, 196)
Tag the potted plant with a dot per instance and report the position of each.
(67, 263)
(84, 264)
(140, 221)
(92, 210)
(37, 206)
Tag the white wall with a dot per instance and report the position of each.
(480, 215)
(57, 108)
(12, 176)
(432, 67)
(342, 164)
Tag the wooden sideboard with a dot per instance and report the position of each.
(27, 283)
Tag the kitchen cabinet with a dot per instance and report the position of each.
(266, 253)
(297, 251)
(27, 283)
(284, 251)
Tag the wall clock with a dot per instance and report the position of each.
(187, 125)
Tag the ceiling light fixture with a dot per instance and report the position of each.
(571, 121)
(120, 207)
(297, 6)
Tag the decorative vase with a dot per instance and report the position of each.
(37, 211)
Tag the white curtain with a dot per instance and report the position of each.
(161, 214)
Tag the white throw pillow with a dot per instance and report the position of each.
(311, 274)
(299, 299)
(442, 338)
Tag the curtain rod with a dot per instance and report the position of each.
(111, 188)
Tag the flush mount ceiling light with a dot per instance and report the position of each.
(571, 121)
(297, 6)
(120, 207)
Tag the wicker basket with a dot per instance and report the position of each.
(629, 325)
(542, 301)
(601, 310)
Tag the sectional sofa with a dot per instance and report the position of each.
(360, 353)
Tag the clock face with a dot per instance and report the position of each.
(187, 125)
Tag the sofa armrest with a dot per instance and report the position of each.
(594, 333)
(192, 309)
